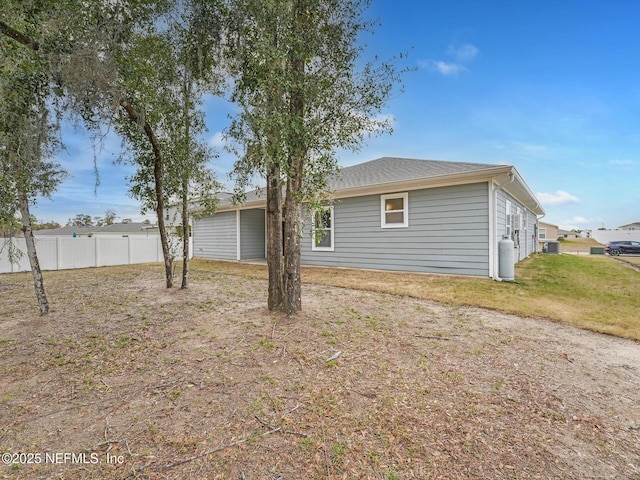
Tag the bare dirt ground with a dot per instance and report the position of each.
(136, 381)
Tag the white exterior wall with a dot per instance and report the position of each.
(604, 236)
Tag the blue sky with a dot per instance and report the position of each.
(551, 87)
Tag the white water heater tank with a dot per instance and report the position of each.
(506, 259)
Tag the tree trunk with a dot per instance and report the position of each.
(186, 97)
(166, 253)
(292, 235)
(38, 281)
(157, 175)
(185, 234)
(274, 237)
(295, 171)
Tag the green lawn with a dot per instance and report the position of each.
(595, 293)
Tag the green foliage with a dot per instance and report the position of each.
(303, 94)
(340, 97)
(81, 220)
(28, 135)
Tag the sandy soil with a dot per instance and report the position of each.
(207, 383)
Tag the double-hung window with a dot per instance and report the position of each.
(542, 233)
(322, 230)
(394, 210)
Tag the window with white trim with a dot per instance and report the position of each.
(322, 230)
(508, 218)
(394, 210)
(542, 233)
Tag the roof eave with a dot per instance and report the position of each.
(518, 188)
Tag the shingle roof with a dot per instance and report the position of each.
(64, 231)
(381, 171)
(391, 169)
(133, 227)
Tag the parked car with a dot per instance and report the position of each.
(618, 248)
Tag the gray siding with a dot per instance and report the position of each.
(214, 236)
(448, 232)
(527, 228)
(532, 243)
(252, 234)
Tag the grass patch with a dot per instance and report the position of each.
(595, 293)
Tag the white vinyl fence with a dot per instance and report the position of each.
(604, 236)
(61, 253)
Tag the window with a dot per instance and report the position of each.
(322, 230)
(394, 210)
(508, 218)
(542, 233)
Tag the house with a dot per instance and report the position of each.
(546, 232)
(630, 226)
(123, 229)
(394, 214)
(567, 234)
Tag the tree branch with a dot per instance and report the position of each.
(19, 37)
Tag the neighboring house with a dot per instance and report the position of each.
(566, 234)
(546, 232)
(630, 226)
(115, 229)
(394, 214)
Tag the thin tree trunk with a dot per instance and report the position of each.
(38, 281)
(274, 237)
(168, 257)
(157, 175)
(185, 234)
(186, 92)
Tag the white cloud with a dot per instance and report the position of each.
(625, 162)
(218, 140)
(463, 53)
(444, 68)
(558, 198)
(579, 223)
(581, 220)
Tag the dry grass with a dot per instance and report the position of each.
(629, 259)
(208, 384)
(595, 293)
(578, 245)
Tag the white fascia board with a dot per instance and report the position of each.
(521, 191)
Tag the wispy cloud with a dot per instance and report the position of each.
(558, 198)
(624, 162)
(217, 140)
(445, 68)
(463, 53)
